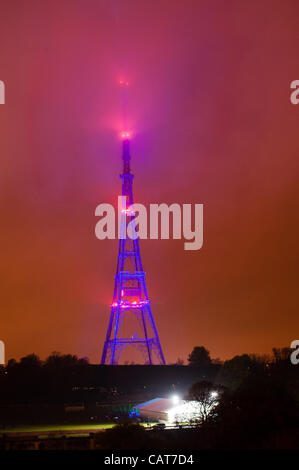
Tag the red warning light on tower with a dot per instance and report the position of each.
(125, 135)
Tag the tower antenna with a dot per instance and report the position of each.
(131, 320)
(124, 86)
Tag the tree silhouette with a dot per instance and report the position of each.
(207, 394)
(199, 357)
(281, 354)
(236, 370)
(61, 361)
(179, 362)
(32, 361)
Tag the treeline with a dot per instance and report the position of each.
(67, 379)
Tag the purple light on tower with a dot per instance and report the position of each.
(131, 321)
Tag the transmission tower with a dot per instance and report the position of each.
(131, 321)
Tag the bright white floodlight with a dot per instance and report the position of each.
(214, 394)
(175, 399)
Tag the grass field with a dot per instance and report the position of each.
(58, 428)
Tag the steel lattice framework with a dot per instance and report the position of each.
(131, 306)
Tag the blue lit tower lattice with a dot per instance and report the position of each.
(131, 323)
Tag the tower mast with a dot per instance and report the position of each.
(131, 321)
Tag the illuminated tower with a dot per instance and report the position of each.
(131, 323)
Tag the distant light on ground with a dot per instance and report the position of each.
(175, 399)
